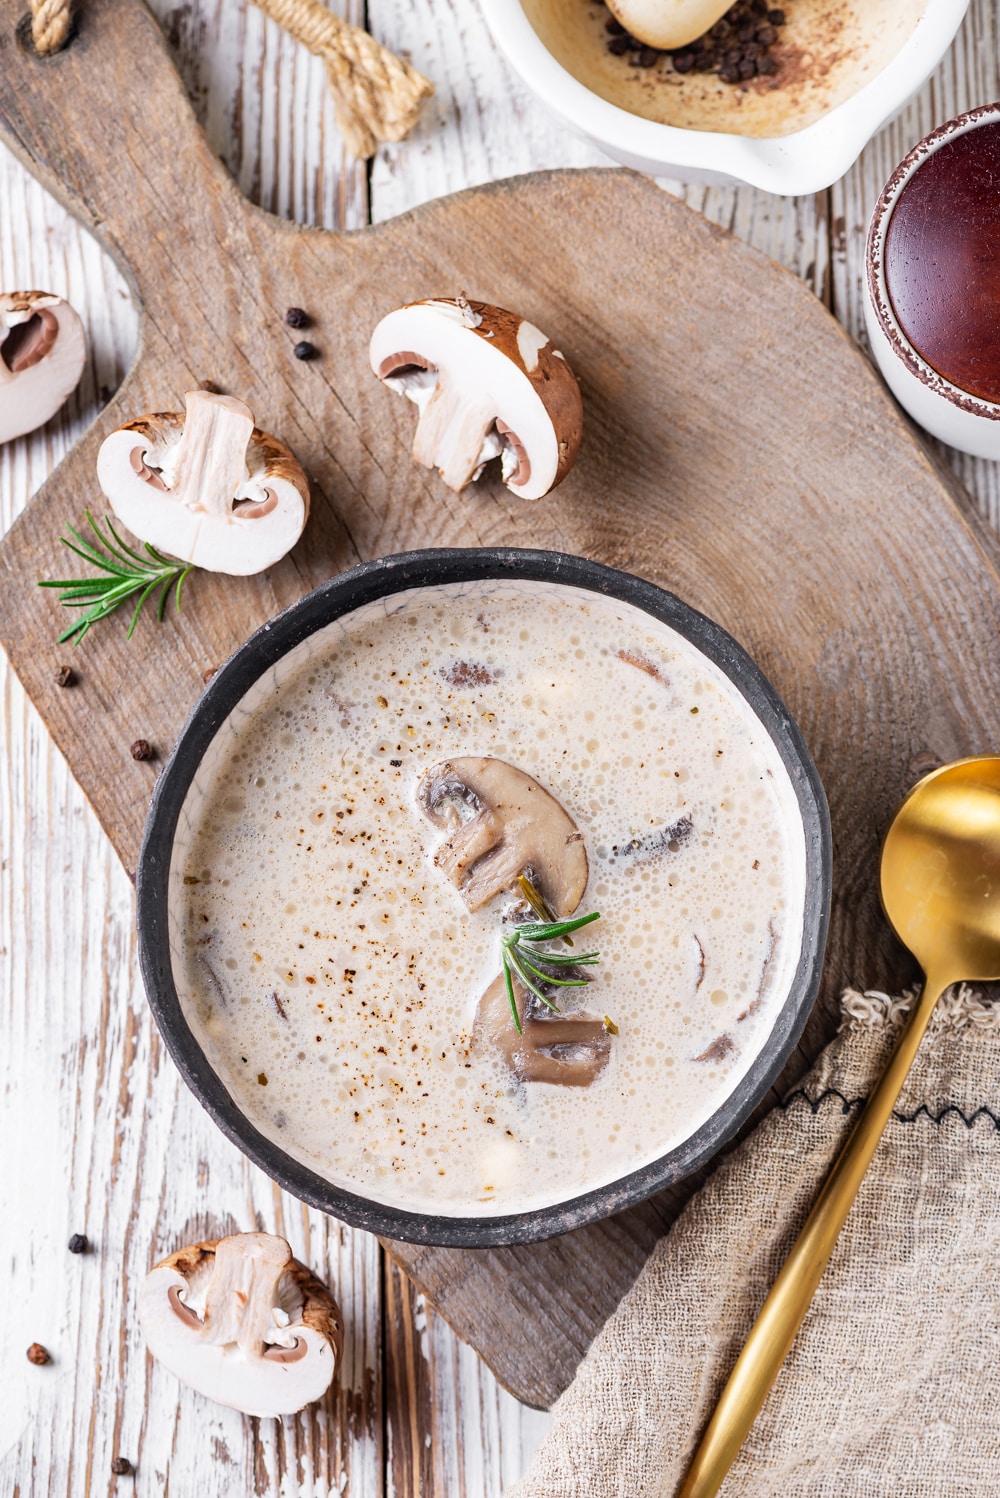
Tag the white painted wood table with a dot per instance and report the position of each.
(97, 1135)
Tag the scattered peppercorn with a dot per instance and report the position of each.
(38, 1355)
(296, 317)
(736, 48)
(141, 749)
(209, 387)
(304, 350)
(79, 1243)
(121, 1466)
(206, 676)
(65, 677)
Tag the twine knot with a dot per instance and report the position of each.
(377, 96)
(50, 24)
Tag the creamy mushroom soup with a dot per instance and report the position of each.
(332, 970)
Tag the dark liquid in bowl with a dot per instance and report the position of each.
(942, 261)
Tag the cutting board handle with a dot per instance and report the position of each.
(107, 127)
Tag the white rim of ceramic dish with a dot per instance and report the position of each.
(806, 161)
(878, 290)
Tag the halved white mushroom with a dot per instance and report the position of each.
(488, 384)
(668, 23)
(207, 487)
(511, 826)
(42, 354)
(244, 1323)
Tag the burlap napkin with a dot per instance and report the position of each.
(893, 1385)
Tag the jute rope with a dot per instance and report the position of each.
(376, 94)
(50, 23)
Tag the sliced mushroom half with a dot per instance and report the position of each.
(244, 1323)
(207, 486)
(569, 1050)
(488, 384)
(42, 354)
(500, 824)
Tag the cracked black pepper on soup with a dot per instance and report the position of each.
(333, 971)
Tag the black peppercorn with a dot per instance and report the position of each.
(141, 749)
(78, 1244)
(304, 350)
(295, 317)
(65, 676)
(121, 1466)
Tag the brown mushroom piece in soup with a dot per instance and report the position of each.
(669, 839)
(570, 1050)
(488, 384)
(511, 826)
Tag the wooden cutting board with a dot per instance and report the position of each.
(738, 449)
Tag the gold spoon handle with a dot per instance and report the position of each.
(782, 1313)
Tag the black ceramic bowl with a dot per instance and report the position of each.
(381, 579)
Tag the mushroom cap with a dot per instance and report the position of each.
(278, 1380)
(42, 354)
(516, 827)
(668, 23)
(208, 486)
(510, 386)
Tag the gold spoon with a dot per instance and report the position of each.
(940, 882)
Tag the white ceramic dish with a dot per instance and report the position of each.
(943, 409)
(803, 161)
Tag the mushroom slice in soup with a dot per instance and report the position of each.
(501, 824)
(570, 1050)
(668, 839)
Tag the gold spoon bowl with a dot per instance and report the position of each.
(940, 885)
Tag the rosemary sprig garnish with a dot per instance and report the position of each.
(530, 970)
(125, 574)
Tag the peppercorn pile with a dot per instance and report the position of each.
(737, 48)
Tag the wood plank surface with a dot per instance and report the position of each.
(73, 1019)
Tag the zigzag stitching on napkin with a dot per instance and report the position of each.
(814, 1104)
(959, 1008)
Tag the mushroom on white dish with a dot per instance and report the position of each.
(244, 1323)
(502, 824)
(668, 24)
(207, 486)
(42, 354)
(488, 384)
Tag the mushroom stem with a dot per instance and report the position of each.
(209, 463)
(243, 1290)
(451, 432)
